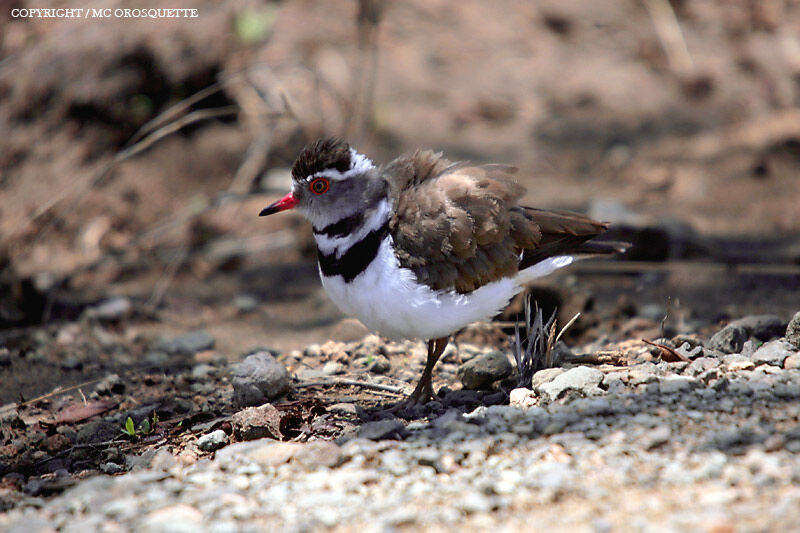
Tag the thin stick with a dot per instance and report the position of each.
(54, 392)
(353, 383)
(669, 33)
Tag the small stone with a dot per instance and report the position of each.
(212, 441)
(245, 303)
(115, 308)
(172, 519)
(111, 468)
(257, 423)
(642, 374)
(689, 352)
(343, 408)
(188, 343)
(658, 436)
(702, 364)
(111, 384)
(729, 339)
(773, 353)
(545, 375)
(522, 397)
(582, 379)
(331, 368)
(260, 377)
(762, 327)
(793, 330)
(676, 384)
(792, 362)
(390, 428)
(319, 453)
(379, 364)
(203, 371)
(480, 372)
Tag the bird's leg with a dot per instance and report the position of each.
(424, 390)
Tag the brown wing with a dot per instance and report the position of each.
(458, 226)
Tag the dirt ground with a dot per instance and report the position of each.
(135, 155)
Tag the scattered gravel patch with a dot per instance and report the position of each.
(716, 442)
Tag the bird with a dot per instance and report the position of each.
(420, 247)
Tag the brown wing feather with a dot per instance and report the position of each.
(458, 226)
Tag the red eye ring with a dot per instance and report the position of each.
(319, 185)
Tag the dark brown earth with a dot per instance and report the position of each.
(688, 141)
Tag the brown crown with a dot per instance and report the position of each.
(330, 153)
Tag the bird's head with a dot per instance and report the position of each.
(330, 181)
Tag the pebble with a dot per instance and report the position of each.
(658, 436)
(792, 362)
(545, 375)
(187, 344)
(173, 519)
(260, 377)
(581, 379)
(112, 309)
(729, 339)
(676, 384)
(793, 330)
(212, 441)
(773, 353)
(480, 372)
(762, 327)
(391, 428)
(522, 397)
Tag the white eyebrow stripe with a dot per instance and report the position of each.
(359, 163)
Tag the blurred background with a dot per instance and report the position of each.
(135, 154)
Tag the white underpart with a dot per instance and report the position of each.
(388, 299)
(341, 244)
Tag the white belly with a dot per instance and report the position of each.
(388, 300)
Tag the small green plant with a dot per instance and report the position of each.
(129, 428)
(146, 427)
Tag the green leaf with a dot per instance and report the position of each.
(254, 26)
(145, 426)
(130, 429)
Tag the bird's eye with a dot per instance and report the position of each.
(319, 185)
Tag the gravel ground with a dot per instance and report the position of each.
(707, 445)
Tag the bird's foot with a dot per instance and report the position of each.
(421, 395)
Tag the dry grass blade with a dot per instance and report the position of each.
(534, 352)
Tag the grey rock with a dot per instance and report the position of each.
(390, 428)
(111, 468)
(676, 384)
(658, 436)
(545, 375)
(114, 308)
(480, 372)
(257, 423)
(773, 353)
(180, 518)
(729, 339)
(258, 378)
(690, 352)
(111, 384)
(188, 343)
(762, 327)
(702, 364)
(245, 303)
(203, 371)
(212, 441)
(793, 330)
(582, 379)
